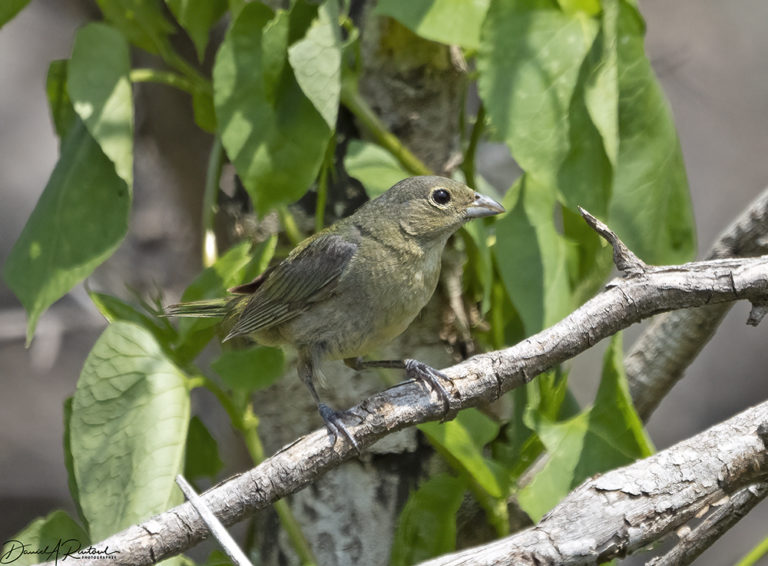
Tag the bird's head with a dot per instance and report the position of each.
(433, 208)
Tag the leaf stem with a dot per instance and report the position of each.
(212, 177)
(168, 78)
(351, 98)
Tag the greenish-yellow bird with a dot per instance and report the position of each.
(355, 285)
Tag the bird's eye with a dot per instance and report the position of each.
(441, 196)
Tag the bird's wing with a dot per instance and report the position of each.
(306, 276)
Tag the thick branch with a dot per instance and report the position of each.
(672, 341)
(479, 379)
(626, 509)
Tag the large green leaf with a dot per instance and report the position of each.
(651, 207)
(78, 222)
(531, 256)
(9, 9)
(529, 64)
(197, 18)
(270, 130)
(250, 369)
(463, 439)
(128, 429)
(101, 92)
(427, 524)
(316, 62)
(608, 435)
(447, 21)
(373, 166)
(141, 21)
(47, 539)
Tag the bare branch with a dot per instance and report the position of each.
(626, 509)
(479, 379)
(672, 341)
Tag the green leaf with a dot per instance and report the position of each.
(427, 524)
(601, 89)
(197, 18)
(250, 369)
(463, 440)
(529, 65)
(62, 113)
(531, 257)
(479, 260)
(9, 9)
(80, 219)
(69, 462)
(204, 112)
(608, 435)
(651, 207)
(141, 21)
(46, 539)
(373, 166)
(201, 456)
(446, 21)
(114, 309)
(316, 62)
(101, 92)
(271, 132)
(128, 429)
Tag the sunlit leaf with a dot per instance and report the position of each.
(128, 429)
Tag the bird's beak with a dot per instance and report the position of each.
(483, 206)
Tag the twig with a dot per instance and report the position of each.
(479, 379)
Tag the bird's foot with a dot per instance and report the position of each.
(415, 369)
(334, 425)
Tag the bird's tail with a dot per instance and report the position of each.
(213, 308)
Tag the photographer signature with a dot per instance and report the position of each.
(71, 548)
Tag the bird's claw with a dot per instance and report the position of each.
(419, 370)
(332, 420)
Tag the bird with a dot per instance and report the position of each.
(355, 285)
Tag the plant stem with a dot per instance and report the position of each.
(168, 78)
(356, 104)
(322, 185)
(289, 223)
(468, 166)
(212, 177)
(755, 554)
(250, 423)
(247, 423)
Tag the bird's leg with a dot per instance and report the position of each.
(414, 369)
(332, 419)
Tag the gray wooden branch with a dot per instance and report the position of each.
(672, 340)
(482, 378)
(621, 511)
